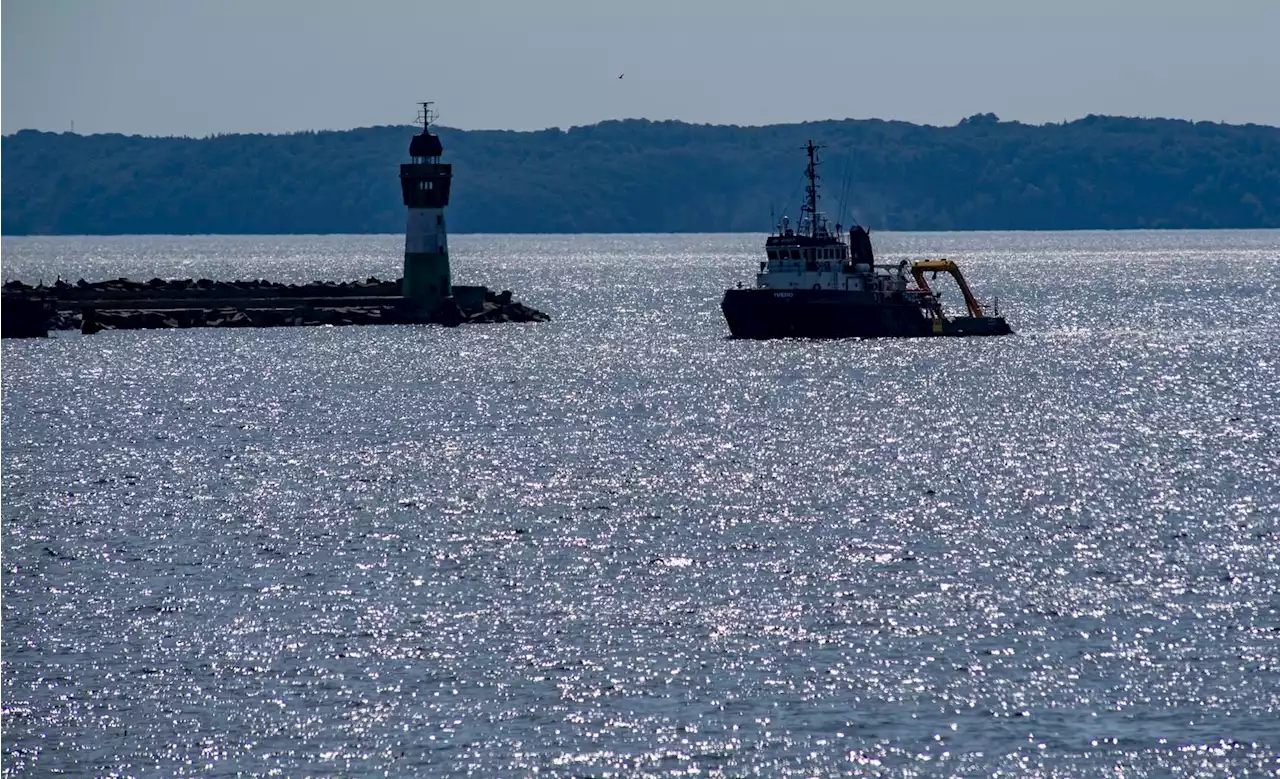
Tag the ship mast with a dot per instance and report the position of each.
(811, 206)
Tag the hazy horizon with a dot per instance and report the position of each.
(566, 128)
(155, 68)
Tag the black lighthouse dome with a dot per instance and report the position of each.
(425, 144)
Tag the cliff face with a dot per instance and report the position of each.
(640, 176)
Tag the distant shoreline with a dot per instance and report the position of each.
(642, 177)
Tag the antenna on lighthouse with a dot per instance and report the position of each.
(427, 115)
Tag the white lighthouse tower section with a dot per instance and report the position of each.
(425, 233)
(426, 257)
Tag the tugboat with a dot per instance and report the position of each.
(815, 285)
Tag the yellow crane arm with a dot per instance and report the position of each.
(918, 269)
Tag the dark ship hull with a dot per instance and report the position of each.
(765, 313)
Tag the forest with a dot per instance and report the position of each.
(645, 176)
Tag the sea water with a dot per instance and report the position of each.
(620, 544)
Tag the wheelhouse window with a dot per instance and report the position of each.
(773, 255)
(795, 254)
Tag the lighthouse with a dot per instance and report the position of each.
(424, 181)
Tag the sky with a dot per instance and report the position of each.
(188, 67)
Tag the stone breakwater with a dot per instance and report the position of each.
(123, 304)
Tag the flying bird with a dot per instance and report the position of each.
(622, 75)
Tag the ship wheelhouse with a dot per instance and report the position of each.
(821, 260)
(803, 261)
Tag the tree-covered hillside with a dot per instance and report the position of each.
(642, 176)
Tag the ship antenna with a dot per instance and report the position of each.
(812, 205)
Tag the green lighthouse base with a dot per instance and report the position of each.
(427, 282)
